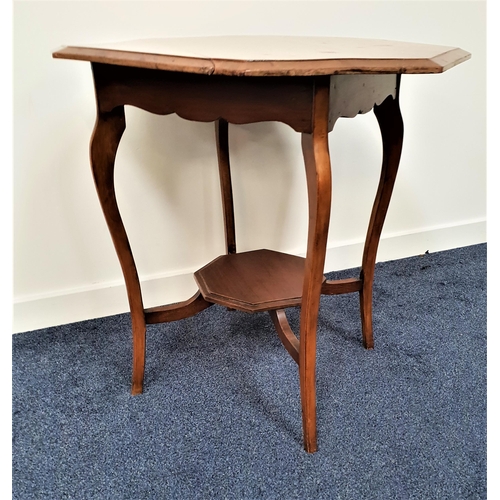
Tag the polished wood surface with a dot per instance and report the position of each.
(222, 144)
(253, 281)
(272, 55)
(177, 311)
(285, 333)
(318, 176)
(307, 83)
(207, 98)
(391, 127)
(108, 131)
(338, 287)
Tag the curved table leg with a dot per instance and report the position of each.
(391, 127)
(318, 174)
(107, 133)
(285, 333)
(222, 143)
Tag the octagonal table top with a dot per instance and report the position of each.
(271, 55)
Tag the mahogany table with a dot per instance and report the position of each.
(305, 82)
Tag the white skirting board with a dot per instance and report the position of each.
(106, 299)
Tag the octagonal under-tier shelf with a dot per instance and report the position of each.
(260, 280)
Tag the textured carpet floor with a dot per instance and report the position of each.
(220, 414)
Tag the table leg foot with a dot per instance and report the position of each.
(139, 354)
(365, 303)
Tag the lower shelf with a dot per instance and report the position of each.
(260, 280)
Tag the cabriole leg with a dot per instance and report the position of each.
(318, 174)
(391, 127)
(107, 133)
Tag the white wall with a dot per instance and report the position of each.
(65, 268)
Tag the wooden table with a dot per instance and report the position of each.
(305, 82)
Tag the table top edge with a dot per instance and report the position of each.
(235, 67)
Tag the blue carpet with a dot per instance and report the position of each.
(220, 414)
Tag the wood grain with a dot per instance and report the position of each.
(391, 127)
(307, 83)
(287, 337)
(207, 98)
(106, 136)
(318, 175)
(259, 280)
(351, 95)
(271, 55)
(222, 145)
(338, 287)
(177, 311)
